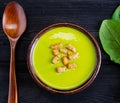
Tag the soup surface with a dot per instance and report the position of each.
(46, 70)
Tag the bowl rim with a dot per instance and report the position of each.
(71, 91)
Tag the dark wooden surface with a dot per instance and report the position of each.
(40, 13)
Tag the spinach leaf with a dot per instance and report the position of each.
(109, 34)
(116, 14)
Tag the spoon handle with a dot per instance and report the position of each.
(13, 95)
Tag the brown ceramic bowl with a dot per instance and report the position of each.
(72, 91)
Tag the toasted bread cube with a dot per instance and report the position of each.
(71, 47)
(63, 50)
(55, 59)
(56, 46)
(60, 69)
(73, 56)
(71, 66)
(55, 52)
(65, 60)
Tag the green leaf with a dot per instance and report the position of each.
(116, 14)
(109, 34)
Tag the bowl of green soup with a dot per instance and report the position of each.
(64, 58)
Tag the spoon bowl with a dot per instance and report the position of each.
(14, 24)
(14, 20)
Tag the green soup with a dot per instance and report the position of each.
(69, 79)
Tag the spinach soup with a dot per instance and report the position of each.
(64, 58)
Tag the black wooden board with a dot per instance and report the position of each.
(40, 14)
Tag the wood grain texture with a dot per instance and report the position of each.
(40, 13)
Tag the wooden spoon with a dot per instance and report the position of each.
(14, 24)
